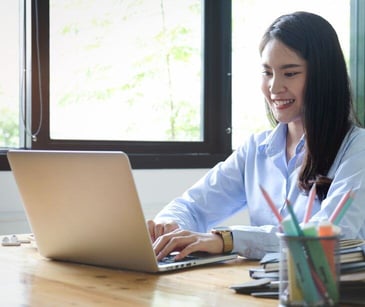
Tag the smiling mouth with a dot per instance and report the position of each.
(280, 103)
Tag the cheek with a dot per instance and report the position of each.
(265, 89)
(301, 88)
(300, 92)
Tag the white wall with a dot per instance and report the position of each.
(156, 188)
(12, 217)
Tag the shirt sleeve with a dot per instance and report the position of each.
(254, 242)
(348, 173)
(215, 197)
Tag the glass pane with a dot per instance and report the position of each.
(9, 77)
(126, 70)
(250, 18)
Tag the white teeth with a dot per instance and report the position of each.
(282, 102)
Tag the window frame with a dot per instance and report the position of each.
(357, 57)
(216, 144)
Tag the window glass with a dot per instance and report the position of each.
(126, 70)
(249, 21)
(9, 76)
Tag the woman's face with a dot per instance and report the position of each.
(283, 81)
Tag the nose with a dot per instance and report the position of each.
(276, 85)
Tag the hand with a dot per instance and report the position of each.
(158, 229)
(187, 242)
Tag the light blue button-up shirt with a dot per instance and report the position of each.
(233, 185)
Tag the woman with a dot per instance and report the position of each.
(315, 140)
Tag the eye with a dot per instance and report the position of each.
(291, 74)
(267, 73)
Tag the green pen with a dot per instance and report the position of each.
(320, 263)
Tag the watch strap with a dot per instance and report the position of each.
(227, 238)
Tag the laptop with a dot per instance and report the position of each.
(83, 207)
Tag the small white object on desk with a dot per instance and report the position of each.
(13, 240)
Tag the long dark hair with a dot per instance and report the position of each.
(327, 111)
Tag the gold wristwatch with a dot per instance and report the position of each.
(226, 235)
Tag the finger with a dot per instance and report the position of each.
(164, 228)
(209, 243)
(159, 230)
(190, 248)
(161, 241)
(172, 242)
(170, 227)
(151, 229)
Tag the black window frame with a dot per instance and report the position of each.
(216, 145)
(357, 57)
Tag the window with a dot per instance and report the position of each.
(79, 55)
(126, 70)
(165, 62)
(9, 76)
(10, 61)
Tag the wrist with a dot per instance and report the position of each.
(226, 234)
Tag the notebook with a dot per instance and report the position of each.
(83, 207)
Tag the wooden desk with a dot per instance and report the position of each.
(27, 279)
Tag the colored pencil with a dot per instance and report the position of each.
(312, 195)
(341, 208)
(271, 204)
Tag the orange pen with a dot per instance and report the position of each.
(325, 229)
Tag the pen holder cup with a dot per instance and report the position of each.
(309, 271)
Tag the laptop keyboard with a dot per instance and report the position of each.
(171, 258)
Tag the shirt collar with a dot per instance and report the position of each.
(275, 141)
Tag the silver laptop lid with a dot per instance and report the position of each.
(83, 207)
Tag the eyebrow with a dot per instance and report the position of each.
(285, 66)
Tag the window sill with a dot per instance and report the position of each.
(156, 161)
